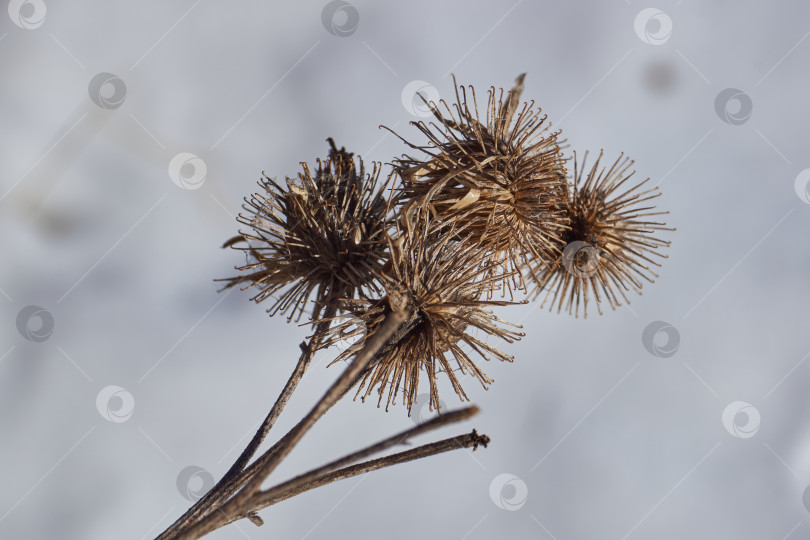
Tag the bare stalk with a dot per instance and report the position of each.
(400, 438)
(292, 488)
(229, 483)
(267, 462)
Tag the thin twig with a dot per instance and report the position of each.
(289, 489)
(400, 438)
(392, 323)
(267, 462)
(230, 482)
(307, 352)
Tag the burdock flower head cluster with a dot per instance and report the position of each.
(502, 177)
(487, 206)
(404, 274)
(319, 237)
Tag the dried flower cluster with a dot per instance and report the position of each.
(502, 179)
(442, 281)
(608, 242)
(487, 207)
(321, 236)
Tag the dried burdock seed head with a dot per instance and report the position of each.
(442, 280)
(500, 178)
(320, 237)
(610, 245)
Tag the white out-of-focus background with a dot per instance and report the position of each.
(131, 368)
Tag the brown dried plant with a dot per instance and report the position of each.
(410, 275)
(609, 246)
(501, 178)
(442, 280)
(322, 235)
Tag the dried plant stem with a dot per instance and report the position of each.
(295, 487)
(225, 487)
(307, 352)
(250, 480)
(270, 460)
(399, 438)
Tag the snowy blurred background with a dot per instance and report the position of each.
(130, 367)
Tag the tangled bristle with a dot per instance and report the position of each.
(489, 208)
(321, 236)
(443, 281)
(502, 180)
(609, 246)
